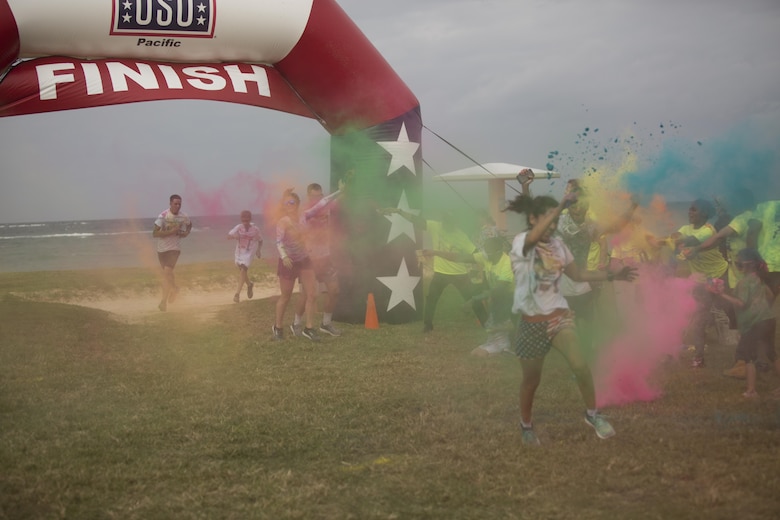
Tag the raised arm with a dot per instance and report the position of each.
(543, 222)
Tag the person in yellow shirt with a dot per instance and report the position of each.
(499, 294)
(446, 236)
(704, 265)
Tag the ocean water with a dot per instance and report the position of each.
(97, 244)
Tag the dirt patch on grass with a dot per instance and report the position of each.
(134, 307)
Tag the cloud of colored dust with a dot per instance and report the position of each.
(741, 167)
(653, 317)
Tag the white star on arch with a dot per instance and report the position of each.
(401, 286)
(402, 152)
(398, 224)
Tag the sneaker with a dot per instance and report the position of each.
(603, 429)
(738, 371)
(235, 298)
(750, 395)
(250, 290)
(296, 330)
(698, 362)
(163, 306)
(330, 329)
(529, 436)
(311, 334)
(278, 333)
(173, 294)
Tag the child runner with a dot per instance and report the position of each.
(539, 259)
(752, 300)
(249, 242)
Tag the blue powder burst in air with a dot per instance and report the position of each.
(743, 162)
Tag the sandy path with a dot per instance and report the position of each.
(196, 303)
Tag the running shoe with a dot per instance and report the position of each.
(603, 429)
(235, 298)
(250, 290)
(163, 306)
(278, 333)
(330, 329)
(296, 330)
(529, 436)
(311, 334)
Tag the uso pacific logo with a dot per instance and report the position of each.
(193, 18)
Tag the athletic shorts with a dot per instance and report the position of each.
(168, 258)
(293, 272)
(760, 336)
(535, 333)
(323, 269)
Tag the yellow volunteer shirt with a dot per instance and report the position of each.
(768, 213)
(710, 262)
(455, 241)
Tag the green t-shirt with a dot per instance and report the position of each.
(768, 213)
(755, 294)
(454, 241)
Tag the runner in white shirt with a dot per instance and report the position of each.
(169, 228)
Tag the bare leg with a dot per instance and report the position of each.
(168, 283)
(309, 282)
(286, 287)
(242, 278)
(333, 294)
(532, 376)
(566, 343)
(300, 306)
(750, 373)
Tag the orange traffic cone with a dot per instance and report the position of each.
(372, 321)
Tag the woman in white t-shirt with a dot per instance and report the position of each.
(539, 260)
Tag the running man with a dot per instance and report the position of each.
(170, 227)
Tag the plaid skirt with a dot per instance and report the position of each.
(535, 333)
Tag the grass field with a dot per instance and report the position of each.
(175, 418)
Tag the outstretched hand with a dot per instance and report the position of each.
(627, 274)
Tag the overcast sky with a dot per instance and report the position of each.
(505, 81)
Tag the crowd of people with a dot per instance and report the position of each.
(537, 291)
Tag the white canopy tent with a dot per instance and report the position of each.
(496, 175)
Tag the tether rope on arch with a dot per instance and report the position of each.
(467, 156)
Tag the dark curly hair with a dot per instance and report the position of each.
(535, 206)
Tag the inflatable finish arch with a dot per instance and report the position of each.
(305, 57)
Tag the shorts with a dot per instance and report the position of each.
(759, 336)
(168, 258)
(295, 271)
(323, 269)
(535, 333)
